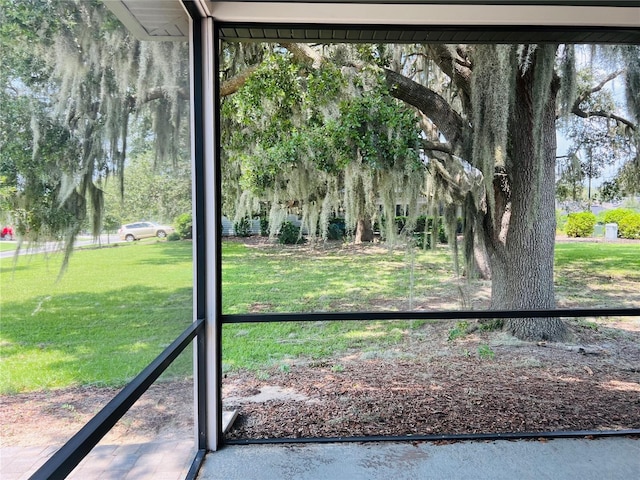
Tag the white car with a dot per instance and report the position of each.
(138, 230)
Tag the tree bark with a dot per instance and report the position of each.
(522, 238)
(364, 230)
(519, 229)
(431, 104)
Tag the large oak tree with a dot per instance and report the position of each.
(495, 113)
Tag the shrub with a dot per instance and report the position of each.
(264, 227)
(460, 330)
(401, 221)
(629, 226)
(336, 229)
(184, 225)
(175, 236)
(424, 221)
(334, 232)
(289, 234)
(580, 224)
(616, 215)
(242, 227)
(422, 240)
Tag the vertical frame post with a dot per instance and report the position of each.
(206, 222)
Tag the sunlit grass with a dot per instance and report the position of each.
(599, 258)
(277, 279)
(598, 274)
(290, 280)
(7, 246)
(117, 308)
(113, 311)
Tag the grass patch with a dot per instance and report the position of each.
(256, 346)
(7, 246)
(612, 259)
(459, 331)
(117, 308)
(113, 312)
(294, 279)
(598, 274)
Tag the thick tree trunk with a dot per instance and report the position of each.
(520, 230)
(364, 230)
(521, 246)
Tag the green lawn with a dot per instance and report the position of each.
(7, 246)
(291, 280)
(113, 311)
(116, 308)
(598, 274)
(599, 258)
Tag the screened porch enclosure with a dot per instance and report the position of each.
(360, 418)
(394, 348)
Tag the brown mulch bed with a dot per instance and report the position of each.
(445, 396)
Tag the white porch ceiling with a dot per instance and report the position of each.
(152, 19)
(392, 20)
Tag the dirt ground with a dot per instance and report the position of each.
(426, 384)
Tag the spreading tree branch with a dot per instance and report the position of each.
(604, 114)
(576, 110)
(456, 65)
(233, 84)
(444, 147)
(301, 52)
(459, 177)
(596, 88)
(431, 104)
(304, 53)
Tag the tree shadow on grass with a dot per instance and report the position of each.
(89, 338)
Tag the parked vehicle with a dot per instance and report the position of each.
(7, 233)
(138, 230)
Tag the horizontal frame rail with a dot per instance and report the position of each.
(436, 438)
(427, 315)
(71, 453)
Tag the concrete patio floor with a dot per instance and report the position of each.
(601, 459)
(169, 460)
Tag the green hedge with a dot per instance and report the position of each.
(184, 225)
(242, 227)
(629, 226)
(615, 215)
(337, 229)
(424, 221)
(580, 224)
(627, 219)
(290, 234)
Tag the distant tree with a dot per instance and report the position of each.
(569, 185)
(598, 133)
(151, 193)
(610, 190)
(79, 82)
